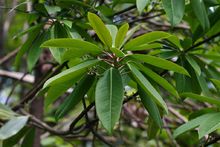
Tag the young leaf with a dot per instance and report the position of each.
(201, 98)
(73, 44)
(113, 31)
(71, 73)
(192, 124)
(194, 65)
(150, 106)
(174, 10)
(157, 78)
(109, 98)
(209, 125)
(12, 127)
(121, 35)
(145, 39)
(100, 29)
(200, 12)
(129, 34)
(159, 62)
(75, 97)
(147, 87)
(141, 4)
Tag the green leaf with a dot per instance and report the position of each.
(174, 10)
(130, 33)
(28, 43)
(13, 140)
(145, 39)
(58, 31)
(30, 29)
(147, 87)
(200, 12)
(152, 129)
(29, 138)
(192, 124)
(157, 78)
(141, 4)
(76, 96)
(73, 44)
(216, 83)
(109, 98)
(209, 125)
(150, 106)
(146, 47)
(159, 62)
(113, 31)
(117, 52)
(201, 98)
(6, 113)
(57, 90)
(203, 85)
(71, 73)
(12, 127)
(194, 64)
(35, 50)
(121, 35)
(100, 29)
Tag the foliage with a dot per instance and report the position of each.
(103, 62)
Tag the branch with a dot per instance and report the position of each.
(202, 42)
(17, 76)
(9, 56)
(215, 140)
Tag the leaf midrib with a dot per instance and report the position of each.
(110, 96)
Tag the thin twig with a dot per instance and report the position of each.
(202, 42)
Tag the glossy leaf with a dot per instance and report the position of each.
(73, 44)
(216, 83)
(209, 125)
(57, 90)
(12, 127)
(147, 87)
(28, 43)
(150, 106)
(35, 50)
(159, 62)
(141, 4)
(29, 138)
(192, 124)
(194, 64)
(100, 29)
(6, 113)
(121, 35)
(201, 98)
(160, 80)
(174, 10)
(113, 31)
(71, 73)
(145, 39)
(200, 12)
(147, 47)
(109, 98)
(75, 97)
